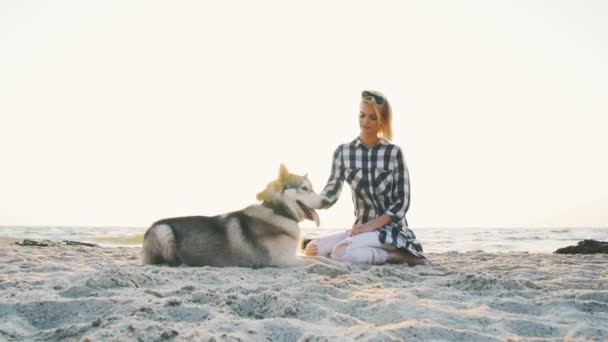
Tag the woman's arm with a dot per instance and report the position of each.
(332, 190)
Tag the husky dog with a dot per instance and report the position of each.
(265, 234)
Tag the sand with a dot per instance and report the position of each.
(93, 293)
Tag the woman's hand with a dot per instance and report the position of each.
(370, 226)
(360, 229)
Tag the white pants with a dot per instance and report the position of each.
(363, 248)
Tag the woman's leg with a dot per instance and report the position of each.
(323, 246)
(363, 248)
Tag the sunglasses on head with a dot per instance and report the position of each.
(377, 98)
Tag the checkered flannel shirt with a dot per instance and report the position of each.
(379, 180)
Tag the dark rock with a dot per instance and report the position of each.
(585, 247)
(33, 243)
(78, 243)
(47, 243)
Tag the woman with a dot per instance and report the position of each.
(378, 177)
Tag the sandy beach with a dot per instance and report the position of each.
(84, 293)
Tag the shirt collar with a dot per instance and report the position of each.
(357, 142)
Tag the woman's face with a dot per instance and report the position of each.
(369, 122)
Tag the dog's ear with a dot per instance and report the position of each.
(261, 196)
(270, 192)
(283, 173)
(264, 195)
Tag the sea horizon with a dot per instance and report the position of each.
(434, 239)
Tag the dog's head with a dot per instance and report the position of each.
(293, 193)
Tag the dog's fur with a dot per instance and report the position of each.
(265, 234)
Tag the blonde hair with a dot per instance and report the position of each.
(383, 111)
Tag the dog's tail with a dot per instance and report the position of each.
(159, 246)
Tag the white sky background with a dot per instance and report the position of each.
(124, 112)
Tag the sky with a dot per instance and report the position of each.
(118, 113)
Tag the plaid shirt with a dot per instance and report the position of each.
(379, 180)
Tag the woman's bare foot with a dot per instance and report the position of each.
(311, 249)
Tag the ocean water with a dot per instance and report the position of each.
(434, 240)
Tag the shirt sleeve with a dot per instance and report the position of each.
(332, 190)
(401, 190)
